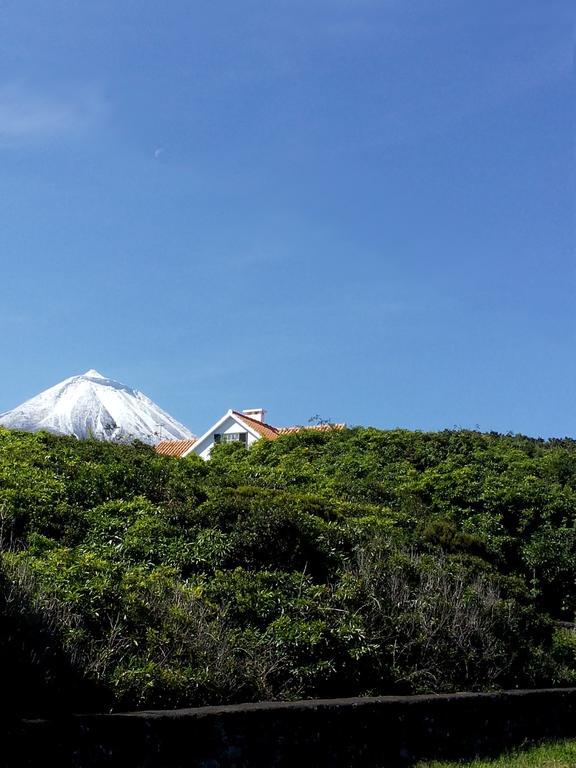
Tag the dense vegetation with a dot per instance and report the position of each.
(319, 564)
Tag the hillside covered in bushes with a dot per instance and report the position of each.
(341, 563)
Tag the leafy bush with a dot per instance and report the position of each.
(318, 564)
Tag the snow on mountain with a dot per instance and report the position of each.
(91, 405)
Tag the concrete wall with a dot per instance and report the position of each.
(365, 733)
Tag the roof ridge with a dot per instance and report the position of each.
(260, 427)
(254, 421)
(178, 440)
(318, 427)
(175, 447)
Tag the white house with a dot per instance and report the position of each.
(235, 426)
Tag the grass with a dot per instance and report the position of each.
(558, 755)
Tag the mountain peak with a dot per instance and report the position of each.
(93, 374)
(91, 405)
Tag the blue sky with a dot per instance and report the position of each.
(361, 209)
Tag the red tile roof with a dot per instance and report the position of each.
(180, 447)
(270, 432)
(315, 427)
(263, 429)
(174, 447)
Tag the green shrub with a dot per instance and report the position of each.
(321, 563)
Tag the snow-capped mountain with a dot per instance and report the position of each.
(91, 405)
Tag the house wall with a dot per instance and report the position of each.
(204, 447)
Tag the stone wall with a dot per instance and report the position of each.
(364, 732)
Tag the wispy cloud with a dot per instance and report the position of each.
(29, 115)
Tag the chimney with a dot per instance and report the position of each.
(257, 414)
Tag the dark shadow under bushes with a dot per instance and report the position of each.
(393, 622)
(39, 676)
